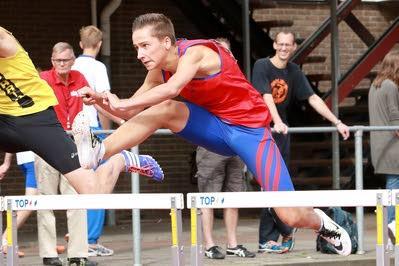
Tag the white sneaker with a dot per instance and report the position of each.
(87, 144)
(335, 234)
(392, 231)
(100, 250)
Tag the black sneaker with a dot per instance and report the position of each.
(240, 251)
(52, 261)
(214, 252)
(81, 262)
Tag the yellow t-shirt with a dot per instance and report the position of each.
(22, 91)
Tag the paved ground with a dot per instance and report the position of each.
(156, 250)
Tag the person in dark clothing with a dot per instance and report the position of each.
(281, 82)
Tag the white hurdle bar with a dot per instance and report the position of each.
(172, 201)
(324, 198)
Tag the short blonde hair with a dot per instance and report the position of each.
(90, 36)
(161, 25)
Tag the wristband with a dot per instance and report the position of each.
(338, 122)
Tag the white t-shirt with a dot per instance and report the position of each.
(96, 75)
(25, 157)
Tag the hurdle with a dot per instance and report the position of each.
(1, 229)
(172, 201)
(395, 202)
(325, 198)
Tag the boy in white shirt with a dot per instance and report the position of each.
(96, 75)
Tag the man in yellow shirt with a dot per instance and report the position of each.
(28, 122)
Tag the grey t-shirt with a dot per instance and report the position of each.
(384, 111)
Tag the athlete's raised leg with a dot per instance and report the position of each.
(170, 114)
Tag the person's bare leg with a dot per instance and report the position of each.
(170, 114)
(21, 215)
(230, 217)
(299, 217)
(317, 220)
(207, 227)
(103, 180)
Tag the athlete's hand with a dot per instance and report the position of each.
(113, 101)
(88, 95)
(343, 130)
(280, 128)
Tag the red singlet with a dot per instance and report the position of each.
(226, 94)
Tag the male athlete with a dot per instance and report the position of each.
(221, 112)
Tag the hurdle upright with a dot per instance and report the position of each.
(1, 228)
(321, 198)
(172, 201)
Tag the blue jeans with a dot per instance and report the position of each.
(392, 183)
(271, 226)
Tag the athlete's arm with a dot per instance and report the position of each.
(152, 79)
(318, 104)
(101, 100)
(187, 68)
(279, 125)
(8, 45)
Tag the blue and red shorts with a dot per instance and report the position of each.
(255, 146)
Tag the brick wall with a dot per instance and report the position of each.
(308, 17)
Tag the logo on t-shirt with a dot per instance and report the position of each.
(279, 90)
(14, 93)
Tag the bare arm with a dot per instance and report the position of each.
(8, 45)
(279, 125)
(187, 68)
(6, 165)
(318, 104)
(100, 101)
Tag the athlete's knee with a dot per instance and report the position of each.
(165, 109)
(167, 106)
(172, 114)
(86, 185)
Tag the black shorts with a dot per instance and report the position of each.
(43, 134)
